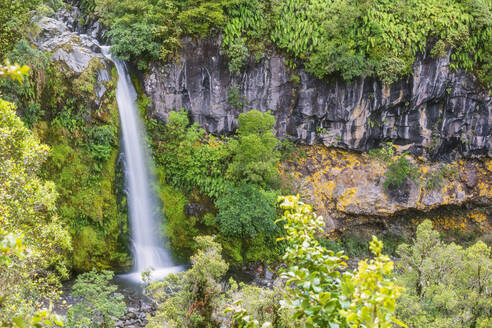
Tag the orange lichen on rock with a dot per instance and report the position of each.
(344, 185)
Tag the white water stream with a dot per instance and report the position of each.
(143, 207)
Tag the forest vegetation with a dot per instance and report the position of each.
(63, 209)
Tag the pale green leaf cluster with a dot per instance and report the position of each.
(319, 291)
(447, 285)
(370, 295)
(15, 71)
(314, 274)
(34, 244)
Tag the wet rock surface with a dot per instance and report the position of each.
(74, 46)
(74, 49)
(136, 315)
(435, 107)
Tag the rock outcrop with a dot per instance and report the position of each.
(347, 189)
(77, 52)
(436, 108)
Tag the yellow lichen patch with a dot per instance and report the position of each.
(340, 182)
(449, 192)
(330, 186)
(452, 223)
(478, 217)
(424, 169)
(488, 164)
(485, 189)
(346, 198)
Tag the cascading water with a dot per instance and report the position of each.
(148, 251)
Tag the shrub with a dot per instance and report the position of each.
(445, 284)
(318, 291)
(97, 303)
(186, 299)
(142, 30)
(255, 156)
(101, 140)
(398, 171)
(384, 154)
(34, 244)
(246, 211)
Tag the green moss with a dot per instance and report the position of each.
(83, 164)
(262, 249)
(179, 228)
(232, 250)
(90, 246)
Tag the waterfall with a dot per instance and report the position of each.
(147, 242)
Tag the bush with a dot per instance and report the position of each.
(384, 154)
(143, 30)
(186, 299)
(445, 284)
(97, 303)
(318, 291)
(398, 171)
(255, 157)
(101, 140)
(245, 211)
(34, 244)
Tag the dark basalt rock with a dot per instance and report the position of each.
(436, 108)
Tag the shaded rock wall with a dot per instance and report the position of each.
(446, 111)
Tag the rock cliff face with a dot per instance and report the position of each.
(444, 111)
(347, 190)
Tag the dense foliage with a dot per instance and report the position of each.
(447, 285)
(254, 155)
(199, 297)
(246, 211)
(14, 17)
(35, 245)
(62, 206)
(383, 37)
(236, 177)
(59, 106)
(316, 290)
(97, 301)
(143, 30)
(344, 37)
(186, 298)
